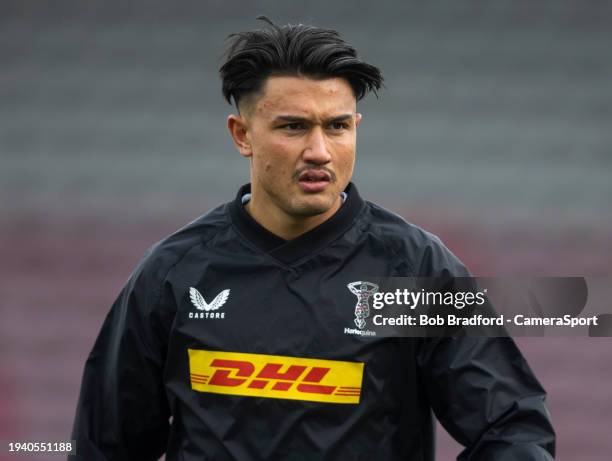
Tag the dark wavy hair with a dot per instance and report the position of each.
(301, 50)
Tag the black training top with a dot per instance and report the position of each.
(230, 343)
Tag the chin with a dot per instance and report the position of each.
(313, 206)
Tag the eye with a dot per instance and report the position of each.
(338, 126)
(293, 126)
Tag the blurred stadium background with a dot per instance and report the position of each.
(494, 131)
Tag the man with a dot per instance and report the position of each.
(244, 335)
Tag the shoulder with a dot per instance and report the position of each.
(161, 257)
(140, 305)
(423, 252)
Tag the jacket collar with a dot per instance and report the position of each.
(288, 251)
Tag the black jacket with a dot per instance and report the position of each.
(229, 343)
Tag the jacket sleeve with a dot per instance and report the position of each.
(483, 392)
(122, 412)
(487, 398)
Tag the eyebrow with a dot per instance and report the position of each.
(297, 118)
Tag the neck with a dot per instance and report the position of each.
(285, 226)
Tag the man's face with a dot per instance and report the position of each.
(301, 136)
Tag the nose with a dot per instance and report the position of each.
(316, 148)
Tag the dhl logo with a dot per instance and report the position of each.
(275, 376)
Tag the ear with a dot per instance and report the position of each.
(357, 119)
(239, 131)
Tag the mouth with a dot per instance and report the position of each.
(312, 180)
